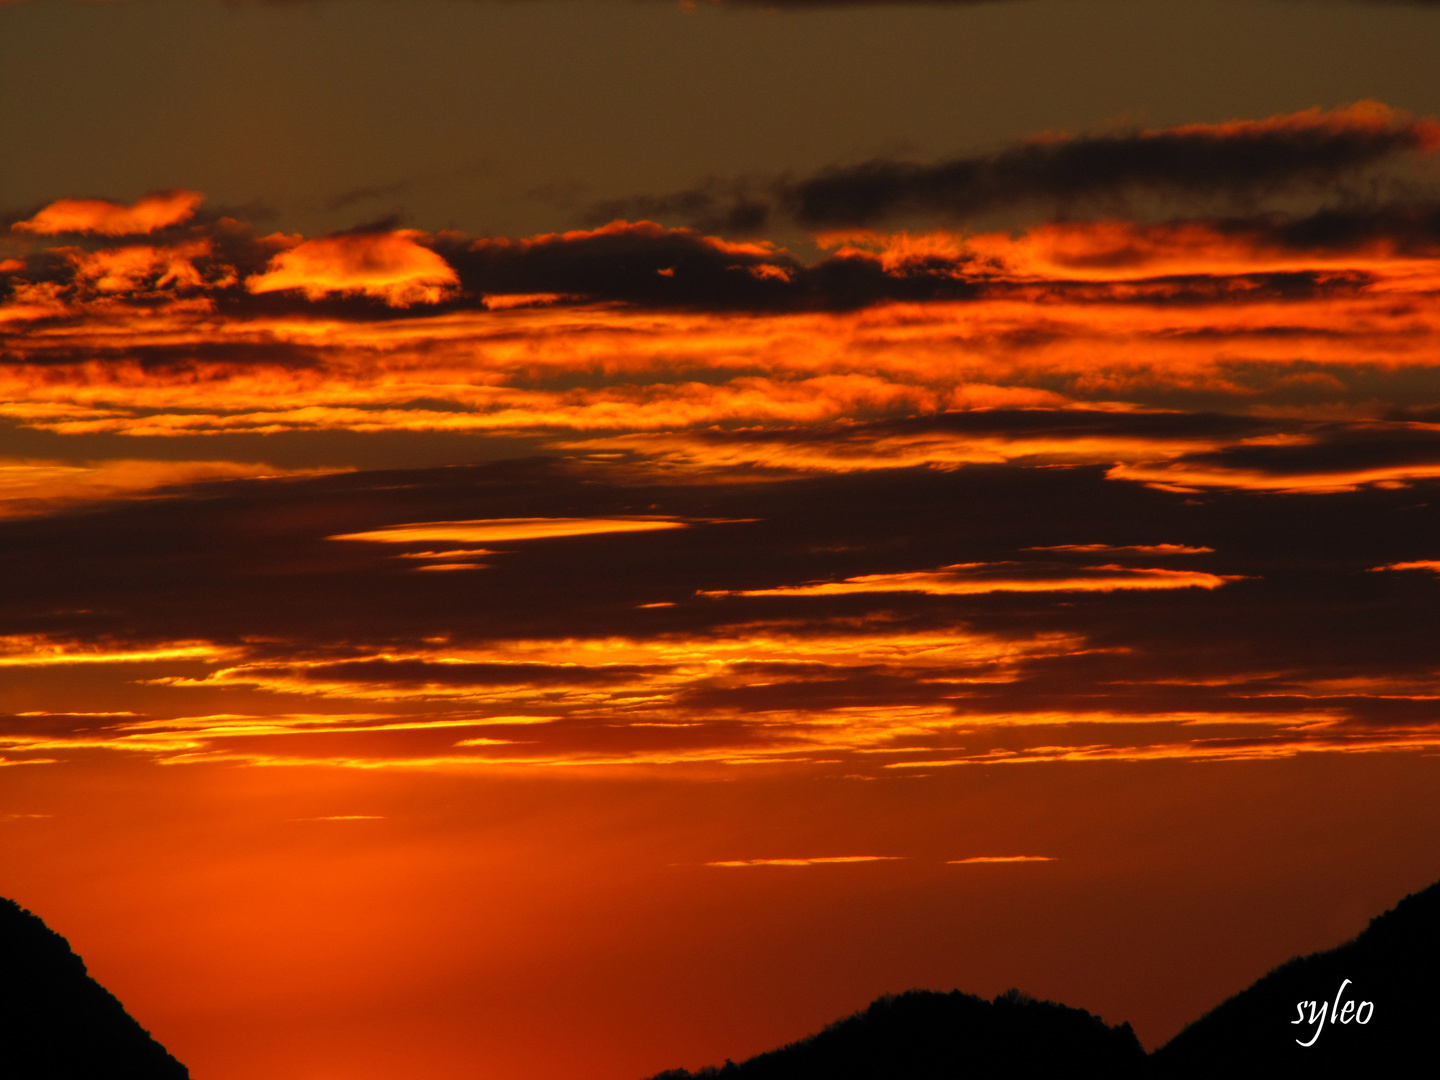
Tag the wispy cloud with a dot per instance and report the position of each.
(964, 579)
(494, 530)
(1000, 859)
(30, 487)
(1232, 160)
(1126, 549)
(818, 861)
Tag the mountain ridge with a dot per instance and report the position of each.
(1363, 1008)
(1305, 1019)
(57, 1022)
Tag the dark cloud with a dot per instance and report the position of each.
(639, 263)
(369, 193)
(1406, 228)
(646, 264)
(1308, 647)
(218, 259)
(1237, 160)
(732, 207)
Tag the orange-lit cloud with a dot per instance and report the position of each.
(858, 450)
(488, 371)
(390, 266)
(1186, 476)
(821, 861)
(749, 696)
(964, 579)
(142, 269)
(493, 530)
(31, 487)
(957, 455)
(855, 740)
(104, 218)
(32, 650)
(1000, 859)
(1126, 318)
(1252, 748)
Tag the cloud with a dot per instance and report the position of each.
(1127, 549)
(103, 218)
(965, 579)
(822, 861)
(988, 433)
(646, 264)
(727, 360)
(497, 529)
(350, 197)
(334, 654)
(42, 487)
(1095, 491)
(31, 650)
(1324, 458)
(1184, 476)
(1000, 859)
(1236, 159)
(390, 266)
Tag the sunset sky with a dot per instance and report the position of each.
(560, 540)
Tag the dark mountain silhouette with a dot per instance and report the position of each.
(1365, 1009)
(1394, 964)
(1386, 1026)
(56, 1022)
(925, 1035)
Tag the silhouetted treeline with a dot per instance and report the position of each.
(56, 1022)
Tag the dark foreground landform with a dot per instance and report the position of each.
(56, 1022)
(1367, 1009)
(1384, 1025)
(1394, 965)
(924, 1035)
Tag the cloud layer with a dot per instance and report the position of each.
(1116, 488)
(238, 625)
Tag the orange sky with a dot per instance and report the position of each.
(438, 654)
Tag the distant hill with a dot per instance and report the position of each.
(56, 1022)
(925, 1035)
(1394, 966)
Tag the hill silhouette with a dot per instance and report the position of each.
(56, 1022)
(1363, 1009)
(926, 1035)
(1394, 966)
